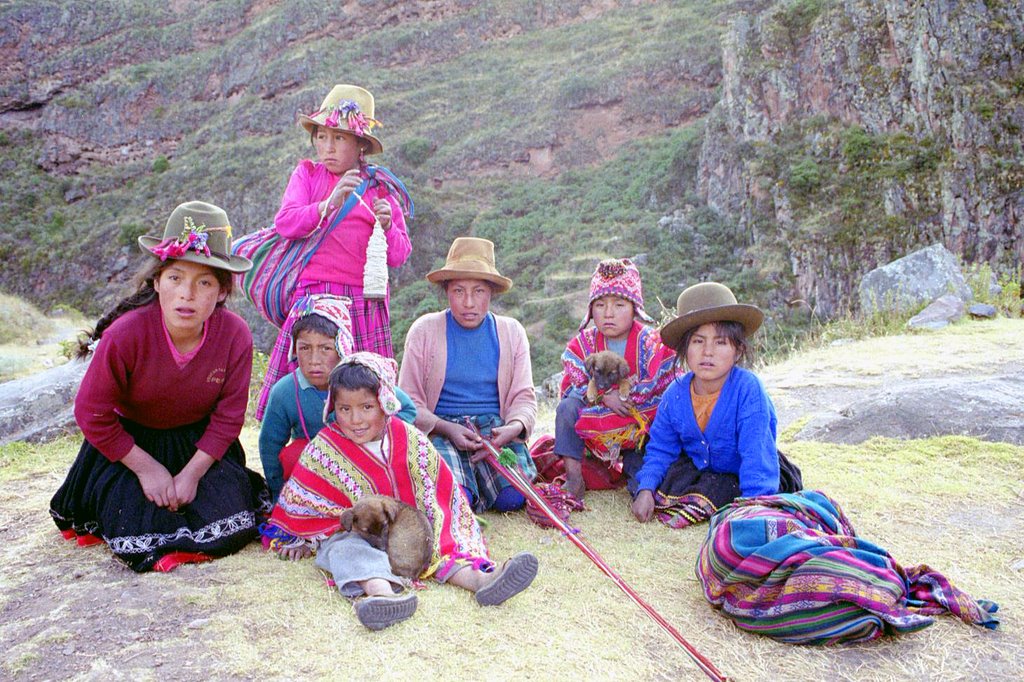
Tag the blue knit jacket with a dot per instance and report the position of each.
(740, 437)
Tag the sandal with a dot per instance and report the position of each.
(514, 577)
(378, 612)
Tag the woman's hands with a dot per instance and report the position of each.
(159, 486)
(187, 480)
(460, 436)
(643, 506)
(157, 483)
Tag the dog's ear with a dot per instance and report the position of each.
(391, 507)
(346, 519)
(623, 368)
(589, 362)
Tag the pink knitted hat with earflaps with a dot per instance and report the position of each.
(617, 277)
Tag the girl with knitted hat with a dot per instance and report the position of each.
(714, 437)
(357, 211)
(365, 450)
(161, 476)
(610, 427)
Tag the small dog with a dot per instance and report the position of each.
(393, 527)
(606, 369)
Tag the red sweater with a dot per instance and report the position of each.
(134, 375)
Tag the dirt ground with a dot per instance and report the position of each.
(75, 613)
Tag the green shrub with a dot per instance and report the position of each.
(858, 146)
(160, 164)
(416, 151)
(805, 176)
(130, 233)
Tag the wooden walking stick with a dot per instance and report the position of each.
(519, 482)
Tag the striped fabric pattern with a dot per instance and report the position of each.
(333, 472)
(791, 567)
(652, 369)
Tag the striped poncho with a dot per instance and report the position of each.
(790, 566)
(333, 472)
(652, 368)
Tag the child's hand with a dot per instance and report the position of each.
(382, 210)
(348, 182)
(294, 553)
(616, 404)
(643, 506)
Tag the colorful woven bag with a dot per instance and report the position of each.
(278, 262)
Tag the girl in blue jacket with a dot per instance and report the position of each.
(713, 439)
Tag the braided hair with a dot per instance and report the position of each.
(145, 293)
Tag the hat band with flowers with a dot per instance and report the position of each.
(355, 119)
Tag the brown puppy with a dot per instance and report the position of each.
(396, 528)
(606, 369)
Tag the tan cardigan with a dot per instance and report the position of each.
(426, 360)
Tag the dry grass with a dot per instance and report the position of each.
(955, 503)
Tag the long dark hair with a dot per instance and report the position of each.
(149, 271)
(733, 331)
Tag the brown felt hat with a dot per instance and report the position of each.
(709, 302)
(471, 258)
(348, 108)
(199, 233)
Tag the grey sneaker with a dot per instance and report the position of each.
(379, 612)
(514, 577)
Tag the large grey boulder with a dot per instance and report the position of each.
(987, 407)
(920, 277)
(40, 406)
(942, 312)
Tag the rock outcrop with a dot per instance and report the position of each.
(850, 133)
(40, 406)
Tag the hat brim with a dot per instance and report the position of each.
(236, 264)
(445, 275)
(308, 123)
(749, 316)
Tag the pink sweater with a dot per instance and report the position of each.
(342, 256)
(133, 374)
(426, 361)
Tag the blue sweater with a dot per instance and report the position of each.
(281, 422)
(739, 439)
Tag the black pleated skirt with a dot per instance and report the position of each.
(105, 499)
(684, 478)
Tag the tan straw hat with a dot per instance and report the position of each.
(471, 258)
(709, 302)
(199, 233)
(349, 108)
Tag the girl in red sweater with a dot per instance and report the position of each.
(161, 476)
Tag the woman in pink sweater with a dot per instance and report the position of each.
(466, 365)
(341, 194)
(161, 477)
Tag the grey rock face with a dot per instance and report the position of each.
(40, 406)
(942, 312)
(912, 280)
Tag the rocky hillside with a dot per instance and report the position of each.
(849, 132)
(782, 147)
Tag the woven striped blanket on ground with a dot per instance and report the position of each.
(790, 566)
